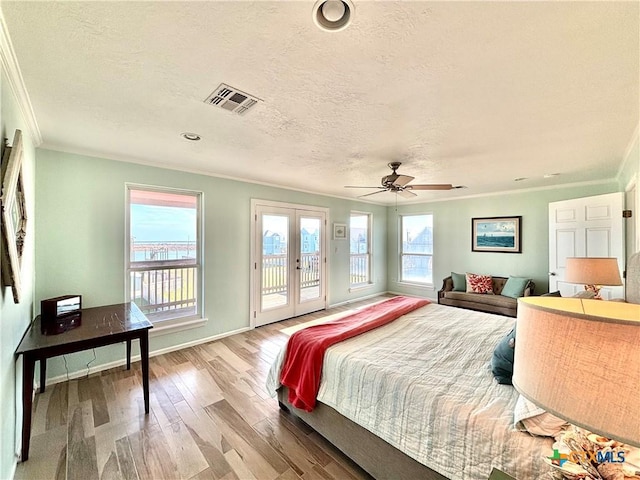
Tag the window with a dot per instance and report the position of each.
(360, 248)
(164, 273)
(416, 248)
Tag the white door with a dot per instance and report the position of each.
(630, 222)
(289, 262)
(585, 227)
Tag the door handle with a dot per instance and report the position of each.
(298, 268)
(552, 274)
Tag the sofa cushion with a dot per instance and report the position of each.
(459, 282)
(494, 300)
(502, 359)
(514, 287)
(479, 283)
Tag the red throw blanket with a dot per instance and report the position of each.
(302, 368)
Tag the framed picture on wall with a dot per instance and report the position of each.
(339, 231)
(496, 234)
(14, 215)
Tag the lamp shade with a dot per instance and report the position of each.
(593, 271)
(580, 360)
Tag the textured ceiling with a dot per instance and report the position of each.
(470, 93)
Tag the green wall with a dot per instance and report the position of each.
(80, 245)
(452, 235)
(15, 318)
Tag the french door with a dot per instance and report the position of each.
(288, 261)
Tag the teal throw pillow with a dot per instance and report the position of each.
(514, 287)
(502, 359)
(459, 282)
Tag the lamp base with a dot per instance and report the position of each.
(595, 289)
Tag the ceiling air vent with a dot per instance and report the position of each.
(231, 99)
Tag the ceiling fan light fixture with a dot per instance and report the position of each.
(333, 15)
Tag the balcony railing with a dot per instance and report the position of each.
(359, 268)
(164, 288)
(275, 272)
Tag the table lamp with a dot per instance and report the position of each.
(580, 360)
(593, 273)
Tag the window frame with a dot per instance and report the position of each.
(402, 253)
(369, 252)
(169, 321)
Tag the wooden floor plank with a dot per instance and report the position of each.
(111, 469)
(151, 455)
(125, 459)
(211, 419)
(91, 389)
(185, 451)
(50, 446)
(81, 449)
(57, 406)
(226, 413)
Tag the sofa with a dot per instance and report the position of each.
(484, 302)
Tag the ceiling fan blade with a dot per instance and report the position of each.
(356, 186)
(406, 193)
(372, 193)
(402, 180)
(433, 186)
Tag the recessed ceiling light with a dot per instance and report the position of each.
(520, 179)
(194, 137)
(333, 15)
(550, 175)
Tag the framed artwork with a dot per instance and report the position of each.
(339, 231)
(496, 234)
(14, 214)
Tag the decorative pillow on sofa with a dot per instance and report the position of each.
(479, 283)
(459, 282)
(514, 287)
(502, 360)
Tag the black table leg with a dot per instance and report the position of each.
(43, 374)
(144, 358)
(128, 354)
(28, 364)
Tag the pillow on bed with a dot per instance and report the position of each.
(528, 417)
(514, 287)
(584, 294)
(459, 282)
(502, 359)
(479, 283)
(552, 294)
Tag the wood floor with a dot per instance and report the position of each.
(210, 418)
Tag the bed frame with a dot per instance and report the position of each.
(370, 452)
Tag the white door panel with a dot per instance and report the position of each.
(585, 227)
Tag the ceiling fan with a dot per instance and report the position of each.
(399, 184)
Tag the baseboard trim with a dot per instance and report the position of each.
(136, 358)
(412, 295)
(348, 302)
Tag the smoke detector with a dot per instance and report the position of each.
(333, 15)
(231, 99)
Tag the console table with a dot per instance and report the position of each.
(98, 326)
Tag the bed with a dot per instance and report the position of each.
(416, 399)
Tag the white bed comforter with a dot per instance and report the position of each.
(423, 383)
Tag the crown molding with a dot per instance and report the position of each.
(10, 65)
